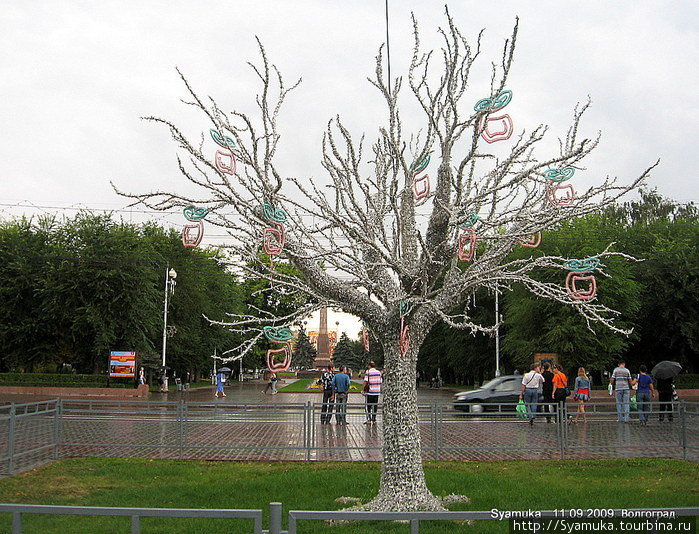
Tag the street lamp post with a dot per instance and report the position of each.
(497, 333)
(170, 275)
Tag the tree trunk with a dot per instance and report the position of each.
(403, 486)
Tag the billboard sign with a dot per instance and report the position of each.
(122, 364)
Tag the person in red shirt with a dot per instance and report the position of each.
(560, 382)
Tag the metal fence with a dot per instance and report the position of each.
(35, 433)
(552, 520)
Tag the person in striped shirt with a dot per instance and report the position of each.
(372, 388)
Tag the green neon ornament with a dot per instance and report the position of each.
(586, 265)
(223, 141)
(277, 334)
(494, 104)
(422, 165)
(470, 221)
(193, 213)
(559, 175)
(269, 213)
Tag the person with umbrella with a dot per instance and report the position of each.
(664, 373)
(220, 380)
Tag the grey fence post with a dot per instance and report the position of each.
(275, 518)
(433, 424)
(16, 523)
(683, 436)
(57, 418)
(414, 526)
(440, 428)
(135, 524)
(561, 427)
(11, 440)
(307, 427)
(180, 429)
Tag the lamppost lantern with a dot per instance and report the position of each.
(170, 275)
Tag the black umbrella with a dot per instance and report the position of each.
(666, 369)
(224, 370)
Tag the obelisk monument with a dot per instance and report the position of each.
(323, 344)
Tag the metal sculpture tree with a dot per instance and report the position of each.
(363, 247)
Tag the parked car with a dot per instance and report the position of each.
(504, 389)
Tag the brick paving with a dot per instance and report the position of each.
(284, 428)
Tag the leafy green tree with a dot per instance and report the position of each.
(27, 333)
(305, 352)
(665, 234)
(536, 325)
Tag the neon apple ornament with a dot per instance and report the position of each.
(467, 245)
(192, 234)
(552, 194)
(532, 241)
(577, 293)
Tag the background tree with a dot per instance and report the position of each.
(73, 290)
(27, 332)
(305, 352)
(534, 325)
(665, 234)
(350, 354)
(357, 241)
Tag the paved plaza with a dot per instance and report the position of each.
(248, 425)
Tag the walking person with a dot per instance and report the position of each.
(547, 391)
(531, 382)
(326, 381)
(581, 393)
(220, 380)
(372, 388)
(341, 385)
(644, 393)
(560, 384)
(621, 380)
(141, 376)
(272, 384)
(665, 389)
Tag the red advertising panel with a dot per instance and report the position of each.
(122, 364)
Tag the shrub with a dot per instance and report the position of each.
(63, 380)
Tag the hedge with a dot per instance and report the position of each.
(687, 381)
(63, 380)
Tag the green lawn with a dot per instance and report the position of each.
(300, 386)
(315, 486)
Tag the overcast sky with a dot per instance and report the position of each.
(76, 77)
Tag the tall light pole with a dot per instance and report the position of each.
(497, 333)
(170, 275)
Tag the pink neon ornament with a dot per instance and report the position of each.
(404, 341)
(559, 200)
(421, 187)
(532, 241)
(581, 293)
(490, 136)
(273, 240)
(365, 339)
(284, 365)
(225, 162)
(192, 234)
(467, 239)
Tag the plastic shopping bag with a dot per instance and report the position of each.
(611, 390)
(521, 409)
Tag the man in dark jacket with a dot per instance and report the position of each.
(341, 385)
(326, 380)
(547, 391)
